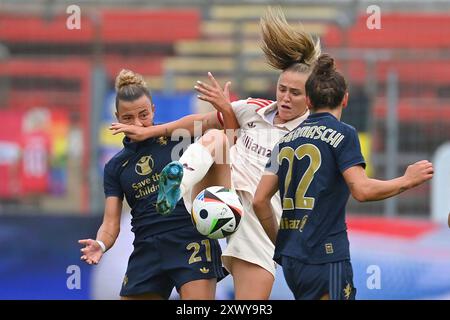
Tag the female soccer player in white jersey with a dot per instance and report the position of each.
(249, 254)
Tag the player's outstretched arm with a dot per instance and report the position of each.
(106, 235)
(267, 187)
(219, 99)
(206, 120)
(367, 189)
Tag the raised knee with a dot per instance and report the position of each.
(217, 136)
(217, 144)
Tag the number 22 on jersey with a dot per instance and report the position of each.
(315, 160)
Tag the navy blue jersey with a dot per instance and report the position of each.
(311, 159)
(134, 173)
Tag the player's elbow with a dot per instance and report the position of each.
(361, 195)
(360, 189)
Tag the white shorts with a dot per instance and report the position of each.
(250, 242)
(187, 199)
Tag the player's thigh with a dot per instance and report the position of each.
(217, 144)
(251, 281)
(218, 175)
(203, 289)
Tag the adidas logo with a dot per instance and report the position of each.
(204, 270)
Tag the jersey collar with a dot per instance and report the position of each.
(267, 114)
(135, 146)
(321, 115)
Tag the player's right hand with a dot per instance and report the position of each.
(92, 252)
(133, 132)
(214, 94)
(419, 172)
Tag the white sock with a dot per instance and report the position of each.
(196, 161)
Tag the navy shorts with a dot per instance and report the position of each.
(316, 281)
(164, 261)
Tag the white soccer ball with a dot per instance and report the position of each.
(217, 212)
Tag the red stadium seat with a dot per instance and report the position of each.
(60, 68)
(16, 28)
(65, 69)
(155, 26)
(430, 72)
(147, 66)
(417, 110)
(26, 99)
(397, 31)
(116, 26)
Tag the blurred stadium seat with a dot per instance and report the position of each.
(398, 30)
(28, 28)
(149, 26)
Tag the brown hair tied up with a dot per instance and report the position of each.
(130, 86)
(325, 86)
(325, 66)
(129, 78)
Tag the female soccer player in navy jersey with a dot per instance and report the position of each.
(316, 167)
(168, 251)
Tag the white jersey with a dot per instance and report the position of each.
(256, 139)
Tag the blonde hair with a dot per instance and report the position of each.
(130, 86)
(284, 46)
(128, 78)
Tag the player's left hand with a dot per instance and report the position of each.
(214, 94)
(419, 172)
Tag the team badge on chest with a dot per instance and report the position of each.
(144, 166)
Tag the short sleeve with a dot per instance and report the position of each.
(111, 182)
(241, 111)
(238, 110)
(348, 152)
(244, 110)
